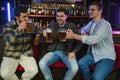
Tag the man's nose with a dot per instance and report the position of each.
(27, 18)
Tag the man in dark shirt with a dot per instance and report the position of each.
(64, 51)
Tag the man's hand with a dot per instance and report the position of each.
(86, 34)
(44, 33)
(71, 55)
(69, 34)
(22, 25)
(36, 40)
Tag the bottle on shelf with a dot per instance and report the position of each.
(44, 14)
(40, 25)
(50, 9)
(29, 9)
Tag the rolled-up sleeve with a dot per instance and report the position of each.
(103, 31)
(86, 28)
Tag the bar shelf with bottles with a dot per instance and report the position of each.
(53, 16)
(43, 14)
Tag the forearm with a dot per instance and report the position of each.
(77, 37)
(17, 32)
(13, 32)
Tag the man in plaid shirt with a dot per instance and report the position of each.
(18, 47)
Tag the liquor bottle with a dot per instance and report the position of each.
(36, 9)
(40, 25)
(39, 9)
(47, 24)
(29, 9)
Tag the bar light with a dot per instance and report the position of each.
(8, 11)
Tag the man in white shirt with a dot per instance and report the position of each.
(98, 34)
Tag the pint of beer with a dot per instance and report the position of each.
(49, 35)
(62, 35)
(29, 26)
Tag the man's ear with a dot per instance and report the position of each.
(66, 16)
(16, 18)
(101, 11)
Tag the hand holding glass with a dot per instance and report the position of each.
(49, 35)
(62, 35)
(29, 26)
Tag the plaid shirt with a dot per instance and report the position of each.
(71, 44)
(17, 42)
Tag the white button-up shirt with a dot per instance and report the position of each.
(100, 39)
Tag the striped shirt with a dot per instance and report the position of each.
(18, 42)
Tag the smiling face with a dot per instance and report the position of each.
(61, 18)
(94, 12)
(23, 17)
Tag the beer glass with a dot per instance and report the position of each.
(49, 35)
(29, 26)
(62, 35)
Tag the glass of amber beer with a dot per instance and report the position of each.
(29, 26)
(62, 35)
(49, 35)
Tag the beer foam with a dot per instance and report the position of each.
(49, 30)
(62, 31)
(29, 21)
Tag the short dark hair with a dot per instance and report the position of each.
(62, 10)
(98, 4)
(20, 9)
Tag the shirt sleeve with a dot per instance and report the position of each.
(86, 28)
(11, 34)
(101, 33)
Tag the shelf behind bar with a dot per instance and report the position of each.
(53, 16)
